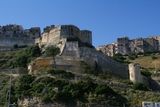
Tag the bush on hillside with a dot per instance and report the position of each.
(61, 73)
(24, 56)
(52, 51)
(132, 57)
(120, 58)
(146, 73)
(140, 86)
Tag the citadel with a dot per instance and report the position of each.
(75, 47)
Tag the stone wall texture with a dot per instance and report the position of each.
(135, 74)
(105, 63)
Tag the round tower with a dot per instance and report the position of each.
(86, 36)
(134, 73)
(70, 31)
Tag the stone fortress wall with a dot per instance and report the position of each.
(100, 61)
(53, 35)
(11, 35)
(76, 44)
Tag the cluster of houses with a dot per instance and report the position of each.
(125, 46)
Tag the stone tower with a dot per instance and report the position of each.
(134, 73)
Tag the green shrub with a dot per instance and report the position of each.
(23, 86)
(21, 61)
(35, 51)
(146, 73)
(46, 98)
(120, 58)
(140, 86)
(132, 57)
(52, 51)
(61, 73)
(103, 89)
(24, 56)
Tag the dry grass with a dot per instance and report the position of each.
(148, 62)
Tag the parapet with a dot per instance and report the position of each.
(70, 31)
(48, 28)
(11, 35)
(86, 36)
(53, 34)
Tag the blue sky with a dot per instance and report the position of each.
(107, 19)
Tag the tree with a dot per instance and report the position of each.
(103, 89)
(21, 61)
(140, 86)
(52, 51)
(35, 51)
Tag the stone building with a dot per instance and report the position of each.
(76, 47)
(55, 34)
(139, 45)
(152, 45)
(65, 36)
(123, 45)
(158, 39)
(11, 35)
(109, 50)
(134, 73)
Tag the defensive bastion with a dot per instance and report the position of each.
(76, 47)
(15, 35)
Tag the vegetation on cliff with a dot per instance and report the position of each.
(63, 91)
(19, 58)
(67, 87)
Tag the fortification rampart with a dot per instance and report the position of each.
(53, 35)
(100, 61)
(69, 31)
(11, 35)
(86, 36)
(10, 42)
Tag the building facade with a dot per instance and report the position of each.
(109, 50)
(125, 46)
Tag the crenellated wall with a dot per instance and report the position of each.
(10, 42)
(69, 31)
(86, 36)
(53, 35)
(11, 35)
